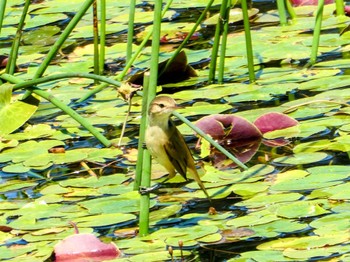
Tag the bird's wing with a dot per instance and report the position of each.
(178, 153)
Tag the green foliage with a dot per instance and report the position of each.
(295, 198)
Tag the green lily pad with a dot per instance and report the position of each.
(104, 219)
(331, 224)
(300, 209)
(301, 158)
(304, 243)
(14, 114)
(261, 256)
(319, 177)
(253, 219)
(16, 185)
(261, 200)
(8, 144)
(94, 182)
(15, 168)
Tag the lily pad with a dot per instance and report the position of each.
(301, 158)
(14, 114)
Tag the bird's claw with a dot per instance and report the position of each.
(147, 190)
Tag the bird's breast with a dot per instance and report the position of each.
(155, 140)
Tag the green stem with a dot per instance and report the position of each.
(248, 41)
(152, 87)
(102, 36)
(2, 12)
(95, 34)
(60, 41)
(226, 19)
(69, 111)
(291, 10)
(144, 164)
(132, 9)
(282, 12)
(120, 76)
(317, 32)
(194, 28)
(215, 48)
(11, 65)
(141, 46)
(143, 126)
(210, 140)
(49, 97)
(41, 80)
(339, 7)
(155, 50)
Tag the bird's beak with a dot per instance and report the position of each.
(178, 107)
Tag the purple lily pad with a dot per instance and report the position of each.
(235, 133)
(84, 247)
(224, 127)
(274, 121)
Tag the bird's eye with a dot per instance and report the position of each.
(161, 105)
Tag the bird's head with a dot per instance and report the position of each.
(162, 106)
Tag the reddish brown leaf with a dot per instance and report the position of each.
(274, 121)
(84, 247)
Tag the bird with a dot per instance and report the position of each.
(165, 142)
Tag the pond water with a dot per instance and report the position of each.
(291, 204)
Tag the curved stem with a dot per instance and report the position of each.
(49, 97)
(292, 108)
(41, 80)
(210, 140)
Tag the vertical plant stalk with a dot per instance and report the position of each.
(60, 41)
(152, 87)
(120, 76)
(2, 12)
(226, 21)
(291, 10)
(95, 33)
(282, 12)
(102, 37)
(144, 163)
(184, 42)
(143, 126)
(141, 46)
(215, 48)
(248, 41)
(143, 166)
(11, 65)
(317, 32)
(339, 7)
(130, 30)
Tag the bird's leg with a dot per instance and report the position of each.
(148, 190)
(152, 189)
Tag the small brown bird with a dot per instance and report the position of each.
(165, 142)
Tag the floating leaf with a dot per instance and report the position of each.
(301, 158)
(104, 219)
(300, 209)
(14, 114)
(235, 15)
(262, 200)
(84, 246)
(274, 121)
(8, 143)
(307, 242)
